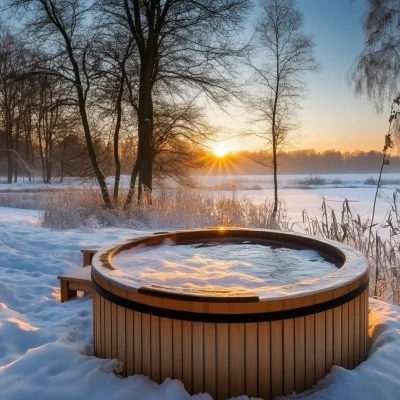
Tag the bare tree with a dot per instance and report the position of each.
(62, 29)
(376, 71)
(284, 55)
(12, 59)
(181, 44)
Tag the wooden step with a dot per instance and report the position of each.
(78, 280)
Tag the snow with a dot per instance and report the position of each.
(219, 266)
(46, 350)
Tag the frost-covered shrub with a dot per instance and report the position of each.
(312, 180)
(171, 208)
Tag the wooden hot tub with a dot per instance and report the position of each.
(234, 345)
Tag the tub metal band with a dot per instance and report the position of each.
(229, 318)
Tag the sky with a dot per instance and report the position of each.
(332, 117)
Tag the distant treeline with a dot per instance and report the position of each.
(307, 162)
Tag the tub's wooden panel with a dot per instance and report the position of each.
(121, 338)
(310, 350)
(345, 336)
(210, 359)
(155, 347)
(108, 332)
(146, 345)
(300, 355)
(320, 345)
(251, 355)
(337, 336)
(130, 342)
(138, 343)
(187, 360)
(357, 331)
(198, 357)
(264, 359)
(328, 340)
(166, 352)
(288, 356)
(237, 372)
(177, 349)
(223, 360)
(351, 334)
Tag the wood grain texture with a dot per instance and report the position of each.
(237, 372)
(210, 359)
(223, 361)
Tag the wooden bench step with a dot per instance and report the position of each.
(74, 281)
(87, 256)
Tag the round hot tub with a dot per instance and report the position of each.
(233, 327)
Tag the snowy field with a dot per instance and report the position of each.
(46, 349)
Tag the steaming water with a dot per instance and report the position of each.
(217, 265)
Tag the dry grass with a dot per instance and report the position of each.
(172, 208)
(383, 255)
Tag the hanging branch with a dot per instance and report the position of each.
(388, 145)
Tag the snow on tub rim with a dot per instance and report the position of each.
(228, 344)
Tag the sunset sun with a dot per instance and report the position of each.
(220, 150)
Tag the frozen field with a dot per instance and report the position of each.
(46, 348)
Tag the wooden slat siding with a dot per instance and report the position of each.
(102, 327)
(237, 371)
(300, 354)
(251, 354)
(362, 328)
(328, 340)
(351, 334)
(345, 336)
(187, 363)
(320, 349)
(357, 311)
(155, 348)
(177, 349)
(146, 345)
(310, 350)
(130, 339)
(264, 360)
(137, 343)
(198, 357)
(114, 331)
(108, 332)
(94, 315)
(210, 359)
(288, 357)
(276, 358)
(121, 342)
(166, 349)
(222, 360)
(366, 294)
(337, 336)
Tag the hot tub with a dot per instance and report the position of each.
(281, 339)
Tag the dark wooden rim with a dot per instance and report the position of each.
(229, 318)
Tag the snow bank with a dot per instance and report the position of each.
(46, 347)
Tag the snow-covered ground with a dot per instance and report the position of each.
(46, 347)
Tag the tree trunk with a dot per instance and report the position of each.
(131, 190)
(10, 165)
(145, 131)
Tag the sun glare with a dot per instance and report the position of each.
(220, 150)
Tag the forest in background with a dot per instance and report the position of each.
(307, 161)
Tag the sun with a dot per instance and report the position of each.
(220, 150)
